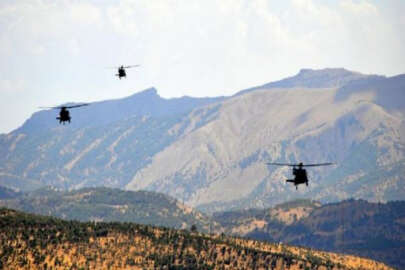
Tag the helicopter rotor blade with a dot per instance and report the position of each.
(303, 165)
(75, 106)
(66, 107)
(283, 164)
(319, 164)
(131, 66)
(55, 107)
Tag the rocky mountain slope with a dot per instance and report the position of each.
(38, 242)
(221, 165)
(105, 144)
(372, 230)
(105, 204)
(211, 153)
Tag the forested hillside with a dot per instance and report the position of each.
(374, 230)
(38, 242)
(106, 204)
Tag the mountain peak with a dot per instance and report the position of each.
(327, 71)
(315, 78)
(340, 69)
(150, 92)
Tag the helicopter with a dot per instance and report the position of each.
(121, 71)
(300, 174)
(64, 115)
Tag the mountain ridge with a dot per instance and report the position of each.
(316, 78)
(144, 103)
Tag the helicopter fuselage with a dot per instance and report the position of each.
(300, 177)
(300, 174)
(64, 116)
(121, 73)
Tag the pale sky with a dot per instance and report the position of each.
(54, 51)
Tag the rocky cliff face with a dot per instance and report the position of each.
(211, 153)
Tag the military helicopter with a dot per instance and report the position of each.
(300, 174)
(121, 71)
(64, 115)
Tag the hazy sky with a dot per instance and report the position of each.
(54, 52)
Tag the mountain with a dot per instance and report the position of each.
(211, 153)
(7, 193)
(373, 230)
(324, 78)
(106, 143)
(106, 204)
(358, 125)
(38, 242)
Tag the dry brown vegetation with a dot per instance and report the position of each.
(37, 242)
(356, 227)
